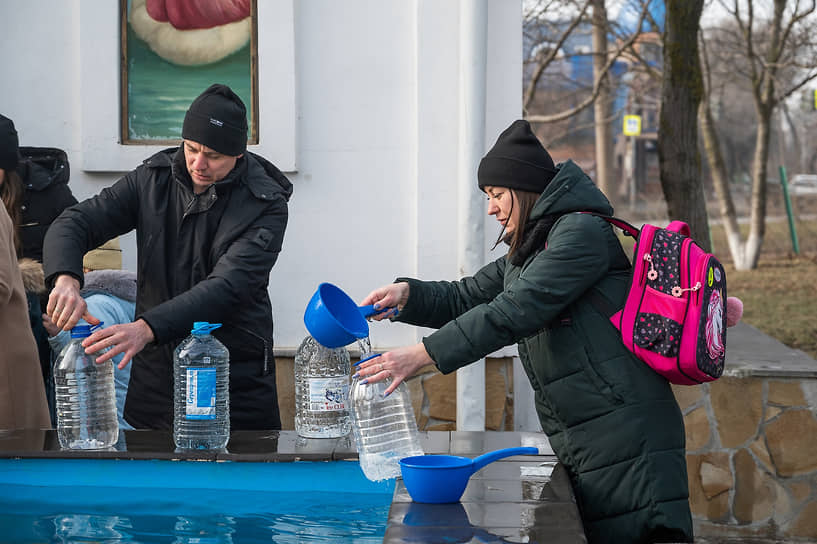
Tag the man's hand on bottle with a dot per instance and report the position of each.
(128, 338)
(66, 306)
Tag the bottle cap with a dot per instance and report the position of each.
(81, 331)
(203, 327)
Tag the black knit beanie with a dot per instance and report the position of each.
(217, 119)
(9, 145)
(517, 161)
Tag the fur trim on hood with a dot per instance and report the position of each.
(33, 278)
(119, 283)
(534, 238)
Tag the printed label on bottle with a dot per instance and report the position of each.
(200, 402)
(328, 394)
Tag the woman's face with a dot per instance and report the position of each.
(2, 176)
(501, 204)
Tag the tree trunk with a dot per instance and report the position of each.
(602, 106)
(681, 92)
(720, 179)
(757, 218)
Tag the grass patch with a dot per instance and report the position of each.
(780, 298)
(780, 295)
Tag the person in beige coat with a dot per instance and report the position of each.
(22, 392)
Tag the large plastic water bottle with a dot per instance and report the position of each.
(201, 397)
(322, 390)
(85, 397)
(384, 427)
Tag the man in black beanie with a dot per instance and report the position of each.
(210, 218)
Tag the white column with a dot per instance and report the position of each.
(471, 208)
(525, 417)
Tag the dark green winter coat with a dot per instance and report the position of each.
(611, 420)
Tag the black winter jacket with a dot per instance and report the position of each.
(45, 173)
(203, 257)
(613, 422)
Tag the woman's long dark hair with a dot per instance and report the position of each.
(12, 192)
(525, 200)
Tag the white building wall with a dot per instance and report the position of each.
(369, 140)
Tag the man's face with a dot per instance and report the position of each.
(206, 166)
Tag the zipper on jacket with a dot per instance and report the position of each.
(189, 206)
(266, 348)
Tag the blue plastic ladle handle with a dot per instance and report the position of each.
(491, 456)
(369, 310)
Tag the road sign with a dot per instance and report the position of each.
(632, 125)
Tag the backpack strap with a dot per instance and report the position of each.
(628, 229)
(600, 303)
(596, 299)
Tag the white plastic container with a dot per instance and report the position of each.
(85, 397)
(385, 429)
(322, 378)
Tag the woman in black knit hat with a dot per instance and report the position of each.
(612, 421)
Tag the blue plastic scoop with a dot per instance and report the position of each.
(440, 479)
(334, 319)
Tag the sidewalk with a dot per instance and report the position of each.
(750, 352)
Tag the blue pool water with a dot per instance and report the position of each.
(111, 501)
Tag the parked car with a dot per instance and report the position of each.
(803, 184)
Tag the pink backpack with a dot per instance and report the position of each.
(674, 318)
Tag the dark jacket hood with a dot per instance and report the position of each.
(41, 167)
(571, 190)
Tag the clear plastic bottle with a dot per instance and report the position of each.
(85, 397)
(322, 390)
(201, 395)
(384, 427)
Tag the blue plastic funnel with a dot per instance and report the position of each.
(441, 479)
(333, 318)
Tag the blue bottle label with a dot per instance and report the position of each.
(200, 401)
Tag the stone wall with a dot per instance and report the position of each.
(751, 457)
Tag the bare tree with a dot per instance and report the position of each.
(775, 56)
(547, 39)
(681, 92)
(603, 105)
(553, 98)
(544, 61)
